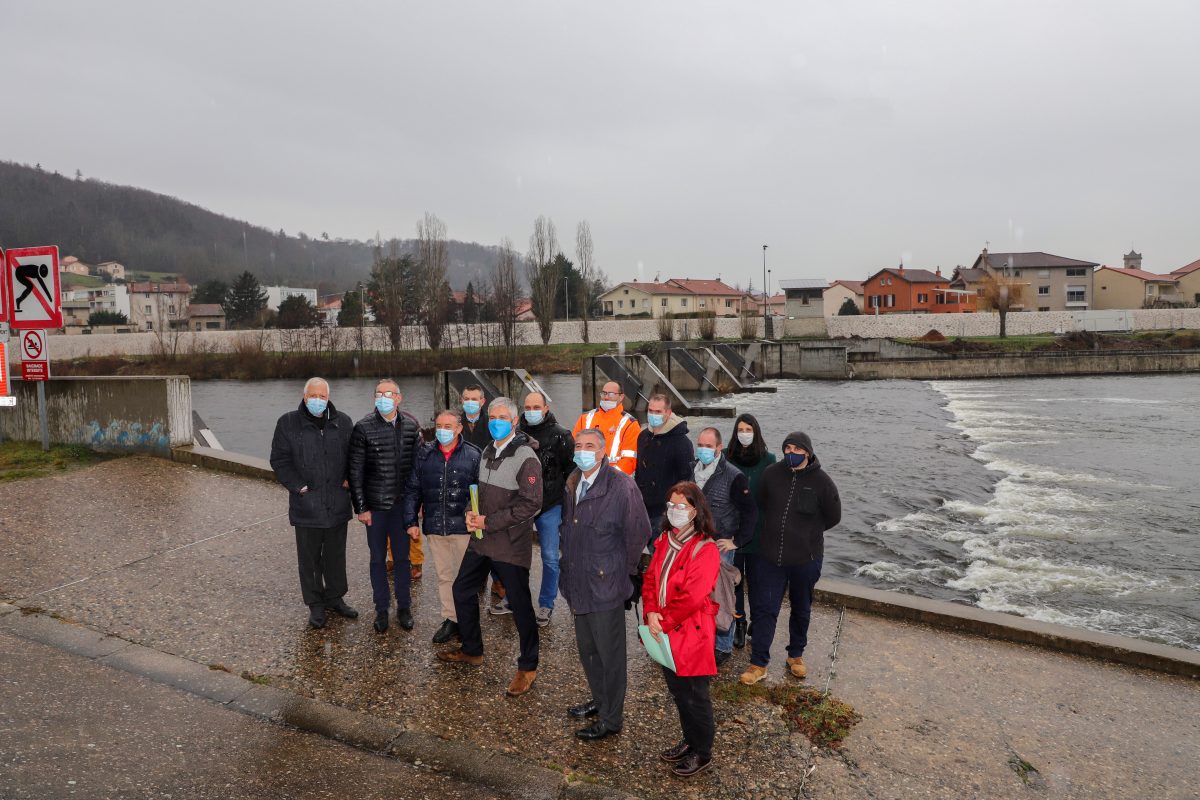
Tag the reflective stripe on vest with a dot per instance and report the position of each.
(614, 451)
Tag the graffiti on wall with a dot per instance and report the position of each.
(125, 435)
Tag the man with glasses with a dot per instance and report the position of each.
(619, 427)
(382, 449)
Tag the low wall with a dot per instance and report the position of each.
(131, 414)
(1010, 366)
(910, 326)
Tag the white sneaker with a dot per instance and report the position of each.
(543, 616)
(499, 609)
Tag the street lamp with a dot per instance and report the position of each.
(764, 288)
(567, 295)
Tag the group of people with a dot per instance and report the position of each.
(625, 516)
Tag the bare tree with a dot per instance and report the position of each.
(585, 262)
(1001, 293)
(504, 292)
(432, 288)
(543, 274)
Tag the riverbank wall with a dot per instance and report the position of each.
(1026, 365)
(126, 414)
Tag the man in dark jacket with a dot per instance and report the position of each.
(556, 451)
(308, 454)
(382, 449)
(604, 530)
(664, 457)
(510, 496)
(799, 503)
(733, 509)
(439, 489)
(474, 417)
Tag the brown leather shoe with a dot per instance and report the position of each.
(521, 682)
(753, 675)
(416, 572)
(796, 667)
(457, 656)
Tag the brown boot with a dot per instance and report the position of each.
(796, 667)
(416, 572)
(753, 675)
(521, 682)
(457, 656)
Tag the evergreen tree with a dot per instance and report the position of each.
(213, 291)
(470, 308)
(391, 297)
(245, 301)
(297, 312)
(106, 318)
(849, 308)
(351, 314)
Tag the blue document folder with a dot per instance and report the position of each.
(659, 649)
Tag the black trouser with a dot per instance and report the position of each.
(739, 592)
(472, 576)
(601, 640)
(694, 702)
(321, 553)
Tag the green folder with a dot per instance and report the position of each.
(659, 649)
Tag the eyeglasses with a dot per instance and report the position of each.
(387, 394)
(679, 506)
(610, 394)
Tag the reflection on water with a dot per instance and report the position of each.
(1069, 500)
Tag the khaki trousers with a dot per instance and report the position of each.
(447, 554)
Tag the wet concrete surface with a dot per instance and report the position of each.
(945, 715)
(73, 728)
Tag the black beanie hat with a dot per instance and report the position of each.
(799, 439)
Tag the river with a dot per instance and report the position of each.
(1068, 500)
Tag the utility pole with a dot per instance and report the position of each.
(567, 294)
(766, 333)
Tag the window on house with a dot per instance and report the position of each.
(922, 298)
(148, 309)
(664, 302)
(171, 310)
(804, 299)
(891, 301)
(729, 304)
(1077, 272)
(702, 304)
(1043, 290)
(626, 291)
(620, 304)
(1076, 294)
(1016, 273)
(1043, 308)
(683, 302)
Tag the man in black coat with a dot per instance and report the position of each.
(309, 453)
(382, 450)
(604, 530)
(474, 417)
(664, 457)
(799, 503)
(556, 452)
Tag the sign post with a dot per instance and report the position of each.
(32, 302)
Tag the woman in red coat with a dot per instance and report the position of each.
(675, 591)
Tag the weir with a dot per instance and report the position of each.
(512, 382)
(640, 377)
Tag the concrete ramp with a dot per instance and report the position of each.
(512, 382)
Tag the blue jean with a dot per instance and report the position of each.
(387, 525)
(725, 640)
(766, 598)
(548, 524)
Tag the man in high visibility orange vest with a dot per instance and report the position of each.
(619, 426)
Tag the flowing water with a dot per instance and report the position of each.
(1069, 500)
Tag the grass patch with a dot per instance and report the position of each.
(254, 677)
(1026, 771)
(20, 460)
(823, 718)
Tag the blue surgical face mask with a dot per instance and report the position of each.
(471, 407)
(795, 460)
(444, 435)
(706, 455)
(585, 459)
(315, 405)
(654, 420)
(499, 429)
(535, 417)
(385, 405)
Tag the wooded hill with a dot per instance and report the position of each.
(149, 232)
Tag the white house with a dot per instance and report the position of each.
(277, 294)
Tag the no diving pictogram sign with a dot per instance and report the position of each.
(33, 346)
(32, 293)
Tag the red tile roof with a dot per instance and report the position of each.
(913, 275)
(205, 310)
(1188, 269)
(653, 287)
(854, 286)
(709, 287)
(1140, 274)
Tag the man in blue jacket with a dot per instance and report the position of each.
(308, 453)
(603, 532)
(439, 489)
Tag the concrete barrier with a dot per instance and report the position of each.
(129, 414)
(1025, 366)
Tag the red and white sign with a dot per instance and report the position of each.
(35, 361)
(3, 369)
(32, 292)
(3, 289)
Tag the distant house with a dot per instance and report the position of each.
(277, 294)
(329, 308)
(112, 269)
(968, 279)
(1128, 287)
(776, 305)
(1188, 278)
(75, 313)
(525, 310)
(74, 266)
(1054, 283)
(837, 293)
(110, 297)
(158, 306)
(206, 317)
(896, 290)
(804, 297)
(675, 296)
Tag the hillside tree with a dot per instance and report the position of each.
(504, 293)
(245, 301)
(297, 312)
(211, 291)
(585, 263)
(389, 294)
(543, 274)
(432, 287)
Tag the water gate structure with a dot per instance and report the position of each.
(511, 382)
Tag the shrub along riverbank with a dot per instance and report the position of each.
(252, 364)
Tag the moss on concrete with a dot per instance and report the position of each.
(823, 718)
(20, 460)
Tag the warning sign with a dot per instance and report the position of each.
(32, 291)
(3, 369)
(35, 361)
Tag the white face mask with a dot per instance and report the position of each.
(678, 517)
(608, 405)
(746, 438)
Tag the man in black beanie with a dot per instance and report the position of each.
(798, 502)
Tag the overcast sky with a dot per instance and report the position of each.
(844, 135)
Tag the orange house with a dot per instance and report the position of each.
(896, 290)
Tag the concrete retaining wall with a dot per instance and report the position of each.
(1097, 363)
(133, 414)
(909, 326)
